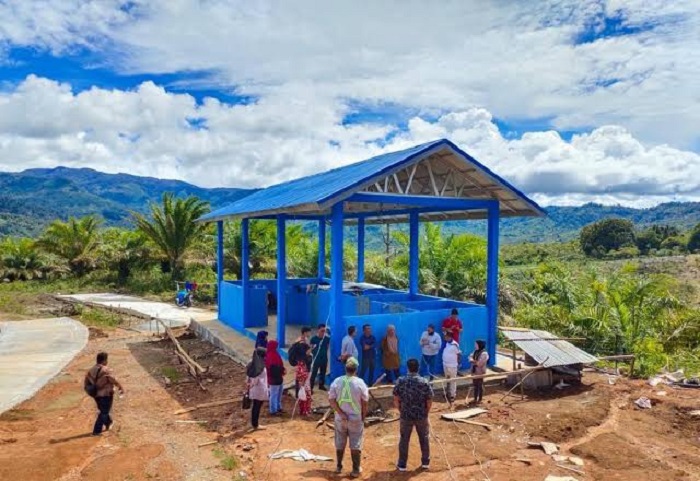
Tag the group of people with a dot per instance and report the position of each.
(349, 394)
(309, 357)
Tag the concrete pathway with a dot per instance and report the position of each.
(169, 313)
(33, 352)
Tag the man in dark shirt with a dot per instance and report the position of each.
(368, 345)
(105, 382)
(413, 397)
(319, 352)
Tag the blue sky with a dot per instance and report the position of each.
(242, 93)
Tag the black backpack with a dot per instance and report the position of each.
(295, 354)
(89, 385)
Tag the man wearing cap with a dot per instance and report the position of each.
(348, 396)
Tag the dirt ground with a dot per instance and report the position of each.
(48, 437)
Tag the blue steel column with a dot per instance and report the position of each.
(245, 270)
(336, 304)
(219, 263)
(321, 248)
(281, 281)
(361, 249)
(492, 280)
(413, 253)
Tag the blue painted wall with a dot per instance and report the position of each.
(410, 314)
(231, 311)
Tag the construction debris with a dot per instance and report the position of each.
(643, 403)
(577, 471)
(473, 423)
(325, 416)
(466, 414)
(206, 405)
(547, 447)
(559, 458)
(299, 455)
(193, 367)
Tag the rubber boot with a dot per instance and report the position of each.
(356, 458)
(339, 453)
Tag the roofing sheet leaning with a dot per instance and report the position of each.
(543, 348)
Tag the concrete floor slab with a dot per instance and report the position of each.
(32, 352)
(169, 313)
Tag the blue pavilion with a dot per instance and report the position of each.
(435, 181)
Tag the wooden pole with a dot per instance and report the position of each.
(621, 357)
(470, 376)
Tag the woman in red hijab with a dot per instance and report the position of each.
(275, 377)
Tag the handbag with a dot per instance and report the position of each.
(246, 403)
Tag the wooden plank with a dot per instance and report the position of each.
(196, 367)
(467, 413)
(325, 416)
(206, 405)
(473, 423)
(468, 377)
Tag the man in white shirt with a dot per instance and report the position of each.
(451, 360)
(430, 344)
(348, 348)
(348, 396)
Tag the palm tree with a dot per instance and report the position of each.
(123, 250)
(172, 228)
(19, 260)
(75, 242)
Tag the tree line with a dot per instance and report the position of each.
(619, 308)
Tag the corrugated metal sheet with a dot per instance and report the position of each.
(314, 193)
(540, 346)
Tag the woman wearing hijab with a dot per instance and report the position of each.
(261, 340)
(275, 376)
(303, 379)
(479, 358)
(390, 354)
(257, 384)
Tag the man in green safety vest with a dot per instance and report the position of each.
(348, 396)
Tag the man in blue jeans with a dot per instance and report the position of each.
(430, 344)
(413, 397)
(103, 379)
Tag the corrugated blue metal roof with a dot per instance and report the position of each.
(312, 192)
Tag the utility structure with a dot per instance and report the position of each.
(435, 181)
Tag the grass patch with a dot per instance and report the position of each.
(229, 463)
(11, 303)
(226, 461)
(171, 373)
(98, 317)
(17, 415)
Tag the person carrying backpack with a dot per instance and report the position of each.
(99, 384)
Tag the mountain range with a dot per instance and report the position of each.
(31, 199)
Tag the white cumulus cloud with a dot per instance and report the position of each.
(149, 131)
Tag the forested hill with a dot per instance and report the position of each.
(31, 199)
